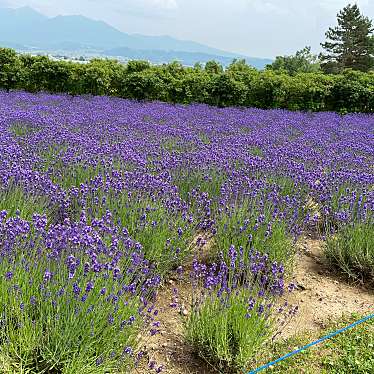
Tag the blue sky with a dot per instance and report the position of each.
(263, 28)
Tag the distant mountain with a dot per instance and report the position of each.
(187, 58)
(32, 30)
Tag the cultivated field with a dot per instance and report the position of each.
(123, 223)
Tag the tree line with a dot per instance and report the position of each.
(300, 82)
(349, 45)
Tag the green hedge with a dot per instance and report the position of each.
(238, 85)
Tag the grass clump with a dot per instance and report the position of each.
(347, 353)
(22, 129)
(204, 181)
(74, 176)
(351, 249)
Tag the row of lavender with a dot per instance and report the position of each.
(102, 198)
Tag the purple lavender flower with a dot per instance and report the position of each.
(47, 276)
(76, 289)
(141, 171)
(152, 364)
(128, 351)
(89, 286)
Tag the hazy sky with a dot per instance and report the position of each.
(263, 28)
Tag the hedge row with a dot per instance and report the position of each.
(238, 85)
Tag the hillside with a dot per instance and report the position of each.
(26, 29)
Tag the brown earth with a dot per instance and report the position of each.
(321, 294)
(169, 348)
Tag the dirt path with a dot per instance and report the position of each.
(168, 347)
(320, 295)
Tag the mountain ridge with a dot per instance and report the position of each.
(26, 26)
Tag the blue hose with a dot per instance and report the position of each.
(329, 336)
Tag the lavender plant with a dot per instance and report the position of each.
(74, 296)
(351, 250)
(348, 225)
(145, 207)
(13, 199)
(251, 226)
(127, 186)
(235, 308)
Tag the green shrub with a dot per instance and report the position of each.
(248, 227)
(351, 249)
(238, 85)
(10, 69)
(233, 309)
(224, 335)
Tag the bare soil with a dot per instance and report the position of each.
(169, 347)
(321, 296)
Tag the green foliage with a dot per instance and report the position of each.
(301, 88)
(57, 332)
(351, 250)
(14, 199)
(213, 67)
(353, 91)
(21, 129)
(209, 182)
(73, 176)
(302, 62)
(349, 352)
(353, 351)
(10, 69)
(226, 91)
(227, 336)
(164, 235)
(244, 226)
(349, 45)
(137, 66)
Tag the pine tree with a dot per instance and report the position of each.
(349, 45)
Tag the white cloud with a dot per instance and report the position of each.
(166, 4)
(339, 4)
(146, 5)
(268, 6)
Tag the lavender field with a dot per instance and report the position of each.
(102, 200)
